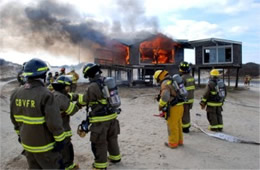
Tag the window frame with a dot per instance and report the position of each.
(216, 48)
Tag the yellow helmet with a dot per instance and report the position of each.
(214, 72)
(159, 75)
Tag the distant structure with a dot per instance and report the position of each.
(217, 53)
(141, 57)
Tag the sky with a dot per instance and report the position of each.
(237, 20)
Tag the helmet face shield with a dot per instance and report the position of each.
(155, 82)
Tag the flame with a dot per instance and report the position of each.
(159, 50)
(114, 53)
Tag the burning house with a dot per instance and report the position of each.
(143, 56)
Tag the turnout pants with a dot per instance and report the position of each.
(214, 117)
(186, 116)
(73, 87)
(45, 160)
(68, 154)
(103, 139)
(174, 124)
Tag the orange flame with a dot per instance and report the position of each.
(116, 53)
(159, 50)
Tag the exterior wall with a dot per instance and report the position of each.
(198, 55)
(237, 54)
(179, 57)
(135, 55)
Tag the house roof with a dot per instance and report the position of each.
(128, 42)
(213, 42)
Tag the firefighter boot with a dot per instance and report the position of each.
(114, 161)
(213, 129)
(170, 145)
(94, 168)
(75, 167)
(186, 130)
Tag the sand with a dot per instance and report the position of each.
(143, 135)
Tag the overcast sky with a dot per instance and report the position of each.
(237, 20)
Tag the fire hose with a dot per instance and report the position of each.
(224, 136)
(218, 135)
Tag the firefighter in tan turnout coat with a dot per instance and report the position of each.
(36, 118)
(62, 87)
(75, 78)
(168, 96)
(104, 125)
(189, 82)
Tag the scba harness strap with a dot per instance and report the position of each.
(106, 113)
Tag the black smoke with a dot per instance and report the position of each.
(57, 26)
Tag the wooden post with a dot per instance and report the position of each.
(223, 75)
(119, 74)
(130, 77)
(192, 72)
(109, 72)
(139, 74)
(199, 77)
(228, 77)
(237, 78)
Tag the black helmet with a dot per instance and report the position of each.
(61, 82)
(184, 67)
(24, 65)
(50, 74)
(90, 70)
(35, 68)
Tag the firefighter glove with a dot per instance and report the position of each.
(158, 98)
(202, 106)
(79, 105)
(58, 146)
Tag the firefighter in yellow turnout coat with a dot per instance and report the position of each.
(37, 119)
(189, 82)
(104, 125)
(75, 78)
(62, 87)
(174, 116)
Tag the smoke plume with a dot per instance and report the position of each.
(59, 29)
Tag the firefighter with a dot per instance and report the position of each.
(213, 98)
(168, 99)
(49, 81)
(20, 77)
(56, 75)
(62, 71)
(189, 82)
(75, 78)
(247, 80)
(37, 119)
(104, 124)
(62, 87)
